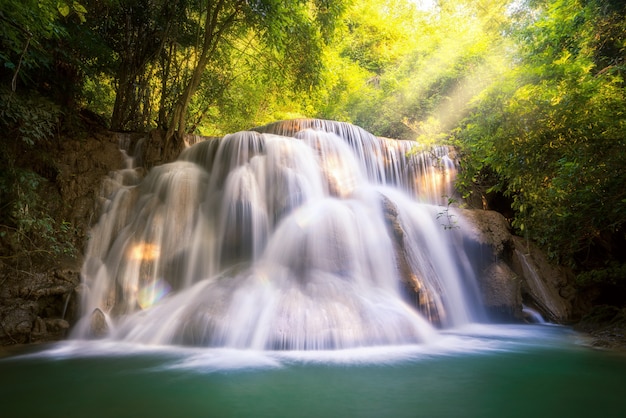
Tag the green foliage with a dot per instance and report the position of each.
(215, 49)
(66, 9)
(29, 122)
(447, 216)
(281, 43)
(407, 73)
(613, 274)
(553, 129)
(26, 226)
(26, 30)
(29, 117)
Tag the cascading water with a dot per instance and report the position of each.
(301, 235)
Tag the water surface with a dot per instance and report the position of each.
(481, 371)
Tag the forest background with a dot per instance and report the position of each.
(530, 92)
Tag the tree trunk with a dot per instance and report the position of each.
(214, 30)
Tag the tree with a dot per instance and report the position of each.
(294, 31)
(409, 73)
(26, 26)
(135, 43)
(164, 52)
(553, 130)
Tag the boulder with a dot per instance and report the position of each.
(513, 272)
(36, 307)
(501, 291)
(98, 324)
(488, 228)
(17, 321)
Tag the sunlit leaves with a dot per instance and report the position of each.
(164, 52)
(418, 69)
(66, 8)
(553, 129)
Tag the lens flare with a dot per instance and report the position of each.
(152, 293)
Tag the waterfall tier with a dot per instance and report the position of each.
(304, 234)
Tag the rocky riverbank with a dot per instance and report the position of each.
(605, 327)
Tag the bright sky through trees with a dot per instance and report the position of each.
(425, 4)
(403, 72)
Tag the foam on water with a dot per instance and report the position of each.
(466, 341)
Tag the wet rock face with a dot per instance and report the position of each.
(546, 285)
(17, 319)
(491, 229)
(501, 291)
(98, 326)
(515, 273)
(82, 165)
(510, 273)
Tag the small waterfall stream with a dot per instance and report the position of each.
(300, 235)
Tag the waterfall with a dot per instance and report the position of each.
(300, 235)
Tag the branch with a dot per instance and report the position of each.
(19, 65)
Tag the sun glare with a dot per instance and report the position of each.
(145, 251)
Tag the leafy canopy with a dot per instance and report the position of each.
(553, 130)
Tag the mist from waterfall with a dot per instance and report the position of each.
(300, 235)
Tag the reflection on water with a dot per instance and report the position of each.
(480, 371)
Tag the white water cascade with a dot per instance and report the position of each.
(301, 235)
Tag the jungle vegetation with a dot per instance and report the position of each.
(531, 92)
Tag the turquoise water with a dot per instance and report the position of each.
(484, 371)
